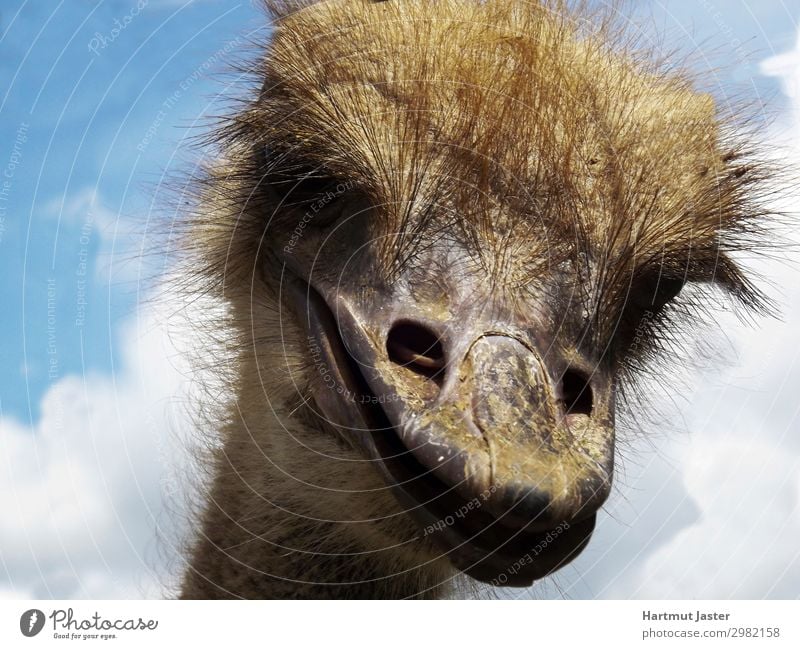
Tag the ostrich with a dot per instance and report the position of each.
(450, 236)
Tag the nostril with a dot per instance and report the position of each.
(576, 394)
(416, 348)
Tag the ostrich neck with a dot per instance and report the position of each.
(227, 564)
(254, 547)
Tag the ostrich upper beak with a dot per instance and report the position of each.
(502, 452)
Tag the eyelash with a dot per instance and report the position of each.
(303, 187)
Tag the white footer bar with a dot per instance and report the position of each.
(406, 625)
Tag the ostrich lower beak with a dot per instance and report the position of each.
(502, 465)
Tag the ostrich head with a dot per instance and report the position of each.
(451, 233)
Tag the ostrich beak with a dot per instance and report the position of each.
(500, 452)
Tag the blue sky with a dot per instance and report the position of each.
(82, 115)
(90, 120)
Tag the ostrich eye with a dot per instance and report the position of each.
(308, 192)
(644, 303)
(306, 186)
(654, 292)
(296, 181)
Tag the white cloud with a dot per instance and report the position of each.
(741, 469)
(787, 67)
(742, 545)
(83, 492)
(87, 221)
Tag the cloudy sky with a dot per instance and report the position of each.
(93, 117)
